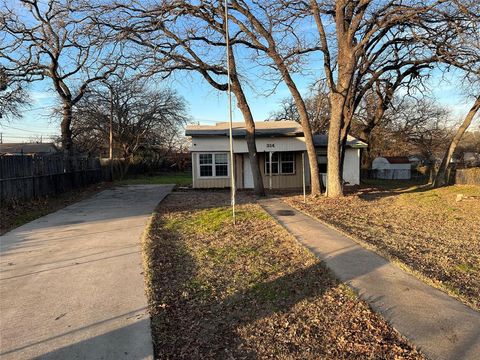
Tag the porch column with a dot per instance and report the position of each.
(270, 156)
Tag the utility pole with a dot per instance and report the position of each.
(230, 115)
(111, 133)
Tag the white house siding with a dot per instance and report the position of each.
(351, 168)
(264, 144)
(351, 171)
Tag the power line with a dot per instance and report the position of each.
(230, 114)
(19, 129)
(27, 137)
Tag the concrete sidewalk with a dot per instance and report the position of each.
(71, 283)
(442, 327)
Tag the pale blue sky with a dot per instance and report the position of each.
(206, 105)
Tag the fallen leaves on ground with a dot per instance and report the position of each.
(426, 229)
(250, 291)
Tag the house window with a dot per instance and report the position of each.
(322, 160)
(221, 165)
(213, 165)
(282, 163)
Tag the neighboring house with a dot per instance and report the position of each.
(282, 142)
(28, 149)
(392, 167)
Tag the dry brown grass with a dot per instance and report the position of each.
(251, 291)
(428, 230)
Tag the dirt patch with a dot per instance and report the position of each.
(428, 230)
(250, 291)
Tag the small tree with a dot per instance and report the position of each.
(318, 108)
(143, 119)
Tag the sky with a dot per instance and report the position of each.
(206, 105)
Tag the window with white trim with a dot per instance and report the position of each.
(283, 163)
(213, 165)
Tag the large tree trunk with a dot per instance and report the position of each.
(334, 178)
(441, 177)
(67, 142)
(300, 104)
(249, 126)
(250, 138)
(316, 188)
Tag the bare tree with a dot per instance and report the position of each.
(409, 125)
(318, 108)
(56, 40)
(367, 41)
(381, 105)
(143, 118)
(457, 44)
(13, 98)
(422, 123)
(267, 28)
(183, 36)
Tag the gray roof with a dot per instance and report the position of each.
(321, 140)
(28, 148)
(264, 129)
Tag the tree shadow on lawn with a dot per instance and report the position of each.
(190, 321)
(195, 319)
(372, 193)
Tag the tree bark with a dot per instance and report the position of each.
(67, 142)
(366, 158)
(242, 104)
(316, 188)
(250, 137)
(334, 178)
(441, 177)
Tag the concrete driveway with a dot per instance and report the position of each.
(71, 283)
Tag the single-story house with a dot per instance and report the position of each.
(28, 149)
(280, 147)
(392, 167)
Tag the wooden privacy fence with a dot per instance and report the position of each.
(469, 176)
(29, 177)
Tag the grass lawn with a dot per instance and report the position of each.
(14, 214)
(425, 229)
(249, 292)
(180, 179)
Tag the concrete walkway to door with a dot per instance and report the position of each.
(442, 327)
(71, 283)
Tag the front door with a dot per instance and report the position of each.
(247, 173)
